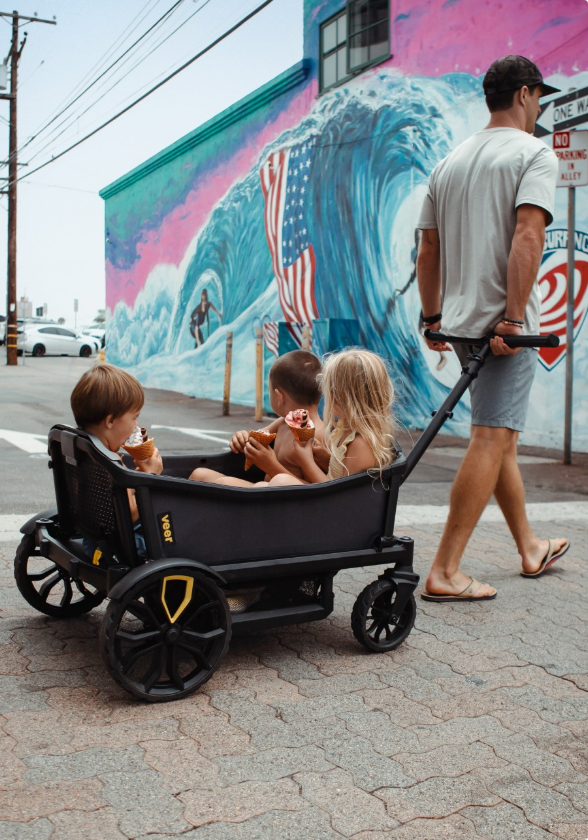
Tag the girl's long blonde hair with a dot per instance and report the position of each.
(356, 386)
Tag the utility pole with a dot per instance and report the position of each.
(15, 53)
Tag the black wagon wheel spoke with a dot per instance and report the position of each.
(67, 592)
(155, 669)
(378, 633)
(132, 656)
(144, 613)
(42, 575)
(81, 587)
(195, 610)
(139, 638)
(172, 667)
(379, 614)
(45, 590)
(196, 652)
(193, 637)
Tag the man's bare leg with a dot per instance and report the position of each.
(510, 495)
(470, 493)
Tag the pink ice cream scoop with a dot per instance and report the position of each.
(300, 424)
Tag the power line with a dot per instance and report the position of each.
(109, 52)
(169, 12)
(153, 89)
(73, 117)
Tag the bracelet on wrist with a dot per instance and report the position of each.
(512, 323)
(431, 319)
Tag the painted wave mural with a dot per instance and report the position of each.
(374, 145)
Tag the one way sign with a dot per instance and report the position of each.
(563, 113)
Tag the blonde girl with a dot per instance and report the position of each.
(359, 430)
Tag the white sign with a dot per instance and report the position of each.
(571, 148)
(564, 112)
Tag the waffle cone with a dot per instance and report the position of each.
(141, 451)
(261, 437)
(304, 434)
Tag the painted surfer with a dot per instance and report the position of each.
(200, 315)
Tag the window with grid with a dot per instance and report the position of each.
(369, 32)
(334, 51)
(353, 39)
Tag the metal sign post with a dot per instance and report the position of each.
(567, 453)
(571, 148)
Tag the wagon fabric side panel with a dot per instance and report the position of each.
(218, 525)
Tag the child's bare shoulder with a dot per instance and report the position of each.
(360, 453)
(276, 425)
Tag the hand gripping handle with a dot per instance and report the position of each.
(550, 340)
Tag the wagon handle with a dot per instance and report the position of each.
(550, 340)
(480, 351)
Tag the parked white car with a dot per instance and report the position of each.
(54, 340)
(95, 332)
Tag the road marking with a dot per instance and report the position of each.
(202, 434)
(10, 524)
(34, 444)
(405, 515)
(536, 511)
(458, 452)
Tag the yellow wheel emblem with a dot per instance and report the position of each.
(188, 589)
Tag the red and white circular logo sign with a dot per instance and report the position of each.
(553, 279)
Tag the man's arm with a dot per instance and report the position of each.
(429, 279)
(523, 264)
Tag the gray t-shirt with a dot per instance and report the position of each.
(472, 199)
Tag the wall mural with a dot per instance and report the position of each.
(319, 220)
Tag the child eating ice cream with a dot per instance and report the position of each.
(106, 403)
(293, 388)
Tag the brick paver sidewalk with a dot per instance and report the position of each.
(477, 727)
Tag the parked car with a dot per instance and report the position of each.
(95, 332)
(55, 340)
(2, 329)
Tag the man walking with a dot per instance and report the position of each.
(483, 230)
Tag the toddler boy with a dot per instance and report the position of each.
(293, 383)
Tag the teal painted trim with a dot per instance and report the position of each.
(262, 96)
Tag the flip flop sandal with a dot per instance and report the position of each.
(468, 594)
(550, 558)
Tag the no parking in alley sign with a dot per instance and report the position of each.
(571, 148)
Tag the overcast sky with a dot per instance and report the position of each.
(60, 215)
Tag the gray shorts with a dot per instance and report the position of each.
(500, 394)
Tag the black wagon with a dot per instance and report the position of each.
(219, 559)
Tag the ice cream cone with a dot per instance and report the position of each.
(262, 437)
(141, 451)
(303, 434)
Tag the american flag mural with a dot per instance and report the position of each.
(284, 182)
(296, 330)
(271, 337)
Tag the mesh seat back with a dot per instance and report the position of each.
(89, 501)
(90, 496)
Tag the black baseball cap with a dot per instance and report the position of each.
(513, 72)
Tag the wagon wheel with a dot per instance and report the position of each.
(371, 620)
(167, 635)
(49, 588)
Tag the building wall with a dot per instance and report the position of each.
(193, 217)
